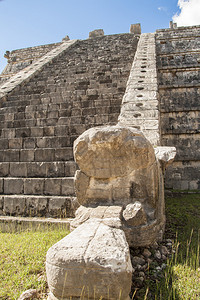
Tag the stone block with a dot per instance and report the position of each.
(101, 263)
(67, 186)
(44, 155)
(96, 33)
(18, 169)
(22, 132)
(194, 185)
(55, 169)
(36, 131)
(41, 142)
(137, 183)
(165, 155)
(3, 144)
(8, 133)
(104, 212)
(36, 206)
(63, 154)
(27, 155)
(134, 214)
(11, 155)
(70, 168)
(36, 169)
(61, 130)
(1, 185)
(29, 143)
(52, 186)
(14, 206)
(58, 207)
(1, 204)
(107, 159)
(184, 185)
(34, 186)
(15, 143)
(13, 186)
(49, 131)
(135, 28)
(4, 169)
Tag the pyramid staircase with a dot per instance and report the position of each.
(36, 168)
(38, 125)
(140, 104)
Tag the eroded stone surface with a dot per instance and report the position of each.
(103, 212)
(95, 256)
(118, 166)
(165, 155)
(120, 189)
(112, 151)
(96, 33)
(29, 294)
(134, 214)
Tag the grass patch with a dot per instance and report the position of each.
(181, 279)
(22, 256)
(22, 260)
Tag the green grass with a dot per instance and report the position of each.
(181, 279)
(22, 261)
(22, 256)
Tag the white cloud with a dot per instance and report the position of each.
(162, 8)
(189, 14)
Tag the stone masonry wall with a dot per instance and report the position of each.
(178, 59)
(41, 117)
(21, 58)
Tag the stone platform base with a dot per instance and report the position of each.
(14, 224)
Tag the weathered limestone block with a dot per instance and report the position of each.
(165, 155)
(84, 213)
(135, 28)
(120, 189)
(118, 166)
(112, 151)
(66, 38)
(134, 214)
(93, 260)
(96, 33)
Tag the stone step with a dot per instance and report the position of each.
(43, 131)
(9, 112)
(140, 104)
(35, 142)
(63, 105)
(36, 155)
(30, 206)
(38, 169)
(18, 224)
(59, 186)
(74, 124)
(60, 120)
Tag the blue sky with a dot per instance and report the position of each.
(27, 23)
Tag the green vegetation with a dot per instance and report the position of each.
(22, 256)
(22, 260)
(181, 279)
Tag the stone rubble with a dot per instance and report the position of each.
(29, 294)
(149, 263)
